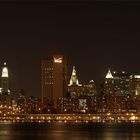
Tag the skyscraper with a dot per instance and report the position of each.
(54, 80)
(84, 95)
(121, 81)
(135, 90)
(117, 93)
(74, 88)
(4, 78)
(109, 84)
(5, 97)
(108, 96)
(135, 84)
(74, 79)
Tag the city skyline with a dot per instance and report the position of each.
(94, 36)
(69, 69)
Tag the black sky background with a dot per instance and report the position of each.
(93, 36)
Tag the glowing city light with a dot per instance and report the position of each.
(109, 75)
(4, 71)
(58, 60)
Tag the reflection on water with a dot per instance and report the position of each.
(70, 131)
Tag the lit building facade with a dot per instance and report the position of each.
(122, 83)
(135, 91)
(4, 80)
(84, 96)
(5, 97)
(54, 80)
(121, 93)
(108, 94)
(74, 88)
(135, 84)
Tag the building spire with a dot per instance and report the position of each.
(109, 75)
(4, 71)
(4, 82)
(74, 79)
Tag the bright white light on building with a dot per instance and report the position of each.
(4, 71)
(58, 60)
(74, 79)
(123, 72)
(133, 118)
(109, 75)
(137, 76)
(114, 72)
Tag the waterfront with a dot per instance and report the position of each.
(70, 131)
(112, 118)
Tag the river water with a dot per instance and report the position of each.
(70, 131)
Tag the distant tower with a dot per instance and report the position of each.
(74, 88)
(74, 79)
(109, 84)
(109, 75)
(5, 97)
(4, 78)
(109, 92)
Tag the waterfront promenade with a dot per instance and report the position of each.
(70, 118)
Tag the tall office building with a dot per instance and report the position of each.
(54, 80)
(135, 84)
(135, 91)
(4, 78)
(117, 93)
(74, 88)
(84, 96)
(109, 84)
(5, 97)
(74, 80)
(121, 81)
(108, 96)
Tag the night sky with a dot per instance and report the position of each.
(93, 36)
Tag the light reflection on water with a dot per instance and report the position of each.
(69, 131)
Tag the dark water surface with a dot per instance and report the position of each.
(70, 131)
